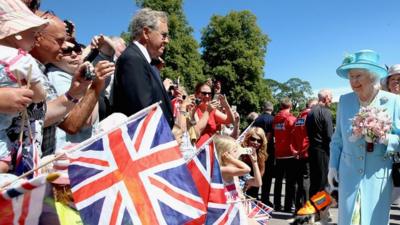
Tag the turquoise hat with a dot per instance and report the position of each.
(363, 59)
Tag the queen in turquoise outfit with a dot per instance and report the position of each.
(365, 183)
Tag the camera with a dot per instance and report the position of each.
(88, 73)
(247, 151)
(197, 101)
(92, 55)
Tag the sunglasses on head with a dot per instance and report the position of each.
(68, 51)
(255, 140)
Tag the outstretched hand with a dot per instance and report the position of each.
(104, 44)
(103, 70)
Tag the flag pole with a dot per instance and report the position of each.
(240, 138)
(81, 145)
(198, 150)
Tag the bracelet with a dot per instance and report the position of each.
(70, 98)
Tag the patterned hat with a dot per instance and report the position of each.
(15, 17)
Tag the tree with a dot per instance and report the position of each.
(297, 90)
(333, 107)
(181, 56)
(233, 49)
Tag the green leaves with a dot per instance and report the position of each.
(297, 90)
(234, 51)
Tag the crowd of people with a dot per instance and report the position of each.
(56, 91)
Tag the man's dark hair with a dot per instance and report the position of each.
(285, 103)
(268, 106)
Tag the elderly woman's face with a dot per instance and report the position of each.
(394, 83)
(360, 80)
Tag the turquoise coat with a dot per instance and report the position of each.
(366, 172)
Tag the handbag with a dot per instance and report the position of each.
(396, 170)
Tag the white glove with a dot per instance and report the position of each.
(332, 174)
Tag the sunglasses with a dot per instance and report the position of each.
(206, 93)
(68, 51)
(259, 141)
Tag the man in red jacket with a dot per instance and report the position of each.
(285, 155)
(300, 144)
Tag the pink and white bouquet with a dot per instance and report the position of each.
(371, 123)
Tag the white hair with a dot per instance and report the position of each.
(373, 77)
(323, 93)
(146, 17)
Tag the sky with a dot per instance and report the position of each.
(309, 38)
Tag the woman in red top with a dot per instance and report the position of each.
(216, 117)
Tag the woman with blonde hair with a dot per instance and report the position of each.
(257, 141)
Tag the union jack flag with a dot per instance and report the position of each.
(27, 158)
(206, 173)
(134, 174)
(231, 214)
(259, 212)
(22, 203)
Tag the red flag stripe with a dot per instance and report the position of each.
(117, 206)
(226, 216)
(143, 129)
(89, 189)
(25, 208)
(28, 186)
(90, 161)
(254, 212)
(217, 196)
(203, 186)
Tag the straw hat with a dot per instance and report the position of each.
(364, 59)
(15, 17)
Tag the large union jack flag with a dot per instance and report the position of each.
(22, 203)
(134, 174)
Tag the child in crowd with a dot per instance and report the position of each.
(228, 153)
(19, 29)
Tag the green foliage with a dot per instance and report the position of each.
(296, 89)
(126, 36)
(233, 49)
(333, 108)
(181, 56)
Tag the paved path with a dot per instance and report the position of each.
(281, 218)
